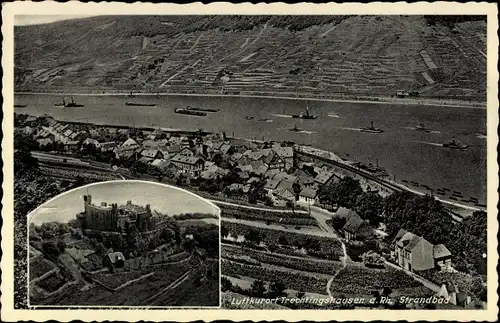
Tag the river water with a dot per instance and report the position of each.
(403, 151)
(165, 199)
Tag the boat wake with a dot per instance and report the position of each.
(281, 115)
(346, 128)
(430, 143)
(334, 115)
(481, 136)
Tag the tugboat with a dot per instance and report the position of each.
(190, 112)
(421, 127)
(295, 129)
(372, 129)
(304, 115)
(135, 104)
(71, 104)
(453, 144)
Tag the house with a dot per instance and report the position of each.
(324, 177)
(186, 152)
(71, 145)
(282, 176)
(165, 165)
(236, 187)
(271, 185)
(152, 154)
(155, 133)
(273, 161)
(190, 165)
(45, 141)
(308, 195)
(90, 141)
(413, 252)
(284, 191)
(286, 153)
(108, 146)
(356, 228)
(130, 143)
(451, 291)
(114, 260)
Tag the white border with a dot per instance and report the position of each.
(10, 9)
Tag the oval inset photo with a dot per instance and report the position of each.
(124, 243)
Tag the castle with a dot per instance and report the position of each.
(116, 218)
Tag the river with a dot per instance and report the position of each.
(162, 198)
(404, 152)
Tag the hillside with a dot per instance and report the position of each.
(364, 55)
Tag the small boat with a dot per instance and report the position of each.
(455, 145)
(20, 106)
(249, 118)
(138, 104)
(71, 104)
(372, 129)
(202, 109)
(295, 129)
(304, 115)
(421, 127)
(265, 120)
(190, 112)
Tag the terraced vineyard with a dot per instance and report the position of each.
(326, 247)
(303, 264)
(365, 55)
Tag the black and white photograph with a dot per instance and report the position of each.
(265, 161)
(120, 243)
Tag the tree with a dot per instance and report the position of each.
(300, 294)
(253, 236)
(50, 250)
(282, 240)
(276, 289)
(258, 288)
(369, 206)
(224, 231)
(225, 284)
(344, 192)
(61, 246)
(24, 162)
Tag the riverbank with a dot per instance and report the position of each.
(457, 103)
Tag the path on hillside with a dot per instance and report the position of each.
(248, 46)
(196, 42)
(256, 207)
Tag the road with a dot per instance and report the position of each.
(314, 232)
(256, 207)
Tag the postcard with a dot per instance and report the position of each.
(170, 162)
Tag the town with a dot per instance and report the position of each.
(294, 223)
